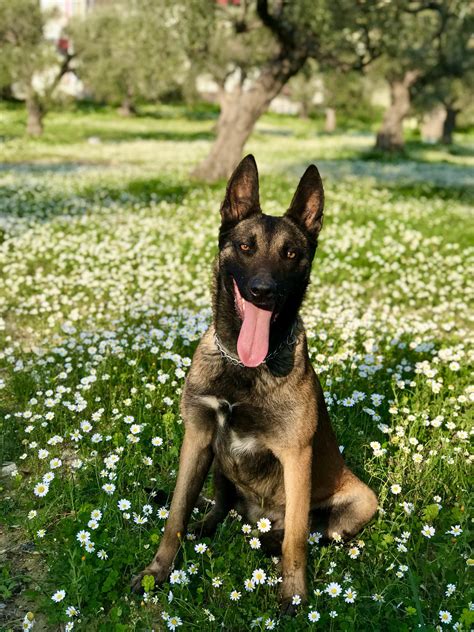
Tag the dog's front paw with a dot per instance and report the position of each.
(158, 572)
(289, 605)
(293, 594)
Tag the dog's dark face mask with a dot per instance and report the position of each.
(264, 261)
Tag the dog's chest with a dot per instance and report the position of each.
(239, 441)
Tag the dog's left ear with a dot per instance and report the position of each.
(306, 208)
(242, 194)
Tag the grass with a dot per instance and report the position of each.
(105, 255)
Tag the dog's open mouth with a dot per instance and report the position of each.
(254, 337)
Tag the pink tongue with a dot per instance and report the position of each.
(252, 345)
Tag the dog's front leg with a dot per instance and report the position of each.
(194, 463)
(297, 479)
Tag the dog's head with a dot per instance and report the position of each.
(265, 261)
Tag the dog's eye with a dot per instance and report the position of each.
(244, 247)
(291, 254)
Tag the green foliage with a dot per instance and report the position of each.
(137, 50)
(24, 50)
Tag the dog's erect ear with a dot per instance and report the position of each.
(306, 208)
(241, 198)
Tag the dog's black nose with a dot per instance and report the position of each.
(262, 288)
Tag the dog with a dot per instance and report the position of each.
(252, 403)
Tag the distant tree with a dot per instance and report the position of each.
(426, 46)
(136, 50)
(27, 60)
(261, 45)
(449, 83)
(446, 97)
(347, 94)
(305, 86)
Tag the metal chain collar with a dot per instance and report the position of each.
(289, 342)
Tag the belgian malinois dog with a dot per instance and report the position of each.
(252, 403)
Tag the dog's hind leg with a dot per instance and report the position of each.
(345, 512)
(224, 500)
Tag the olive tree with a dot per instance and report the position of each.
(258, 46)
(132, 50)
(28, 60)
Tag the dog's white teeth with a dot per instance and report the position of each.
(243, 305)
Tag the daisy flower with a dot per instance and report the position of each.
(428, 531)
(350, 595)
(314, 616)
(445, 616)
(249, 585)
(71, 611)
(41, 489)
(58, 596)
(96, 514)
(264, 525)
(455, 530)
(83, 537)
(163, 513)
(354, 552)
(259, 576)
(333, 589)
(173, 623)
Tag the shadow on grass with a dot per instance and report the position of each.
(406, 178)
(414, 150)
(42, 205)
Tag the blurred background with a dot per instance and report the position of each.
(396, 75)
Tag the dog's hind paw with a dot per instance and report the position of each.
(137, 585)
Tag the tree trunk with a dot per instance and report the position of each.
(127, 107)
(449, 125)
(35, 112)
(240, 110)
(390, 135)
(432, 125)
(330, 122)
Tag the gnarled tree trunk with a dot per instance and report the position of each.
(390, 135)
(240, 110)
(35, 114)
(449, 125)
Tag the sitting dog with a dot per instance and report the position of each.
(252, 403)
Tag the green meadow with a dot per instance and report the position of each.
(106, 247)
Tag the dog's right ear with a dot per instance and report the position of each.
(306, 208)
(242, 195)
